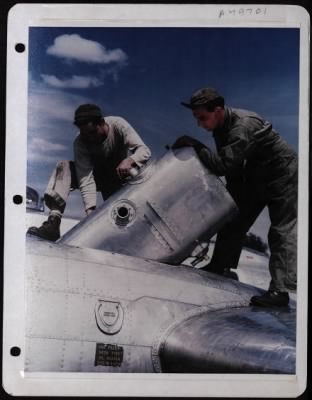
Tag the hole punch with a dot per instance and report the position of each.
(20, 47)
(15, 351)
(17, 199)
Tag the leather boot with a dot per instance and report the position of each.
(49, 230)
(271, 299)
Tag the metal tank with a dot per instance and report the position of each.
(161, 213)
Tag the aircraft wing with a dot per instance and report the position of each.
(95, 311)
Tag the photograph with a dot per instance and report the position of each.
(163, 172)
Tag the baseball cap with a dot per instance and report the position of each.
(206, 96)
(86, 113)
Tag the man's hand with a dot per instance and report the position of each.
(188, 141)
(89, 210)
(124, 167)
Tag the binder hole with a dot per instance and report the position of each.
(20, 47)
(15, 351)
(17, 199)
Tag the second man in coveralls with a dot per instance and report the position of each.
(260, 170)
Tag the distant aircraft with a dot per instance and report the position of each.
(33, 201)
(115, 293)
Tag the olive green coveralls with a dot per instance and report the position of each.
(260, 170)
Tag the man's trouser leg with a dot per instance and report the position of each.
(283, 235)
(62, 180)
(231, 237)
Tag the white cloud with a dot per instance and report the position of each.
(43, 150)
(74, 47)
(75, 82)
(41, 144)
(48, 105)
(42, 158)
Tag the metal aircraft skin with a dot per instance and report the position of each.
(102, 305)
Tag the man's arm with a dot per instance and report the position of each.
(231, 157)
(140, 152)
(84, 172)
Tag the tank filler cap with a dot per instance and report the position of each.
(123, 212)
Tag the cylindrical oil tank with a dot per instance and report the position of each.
(161, 213)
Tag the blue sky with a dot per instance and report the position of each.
(142, 74)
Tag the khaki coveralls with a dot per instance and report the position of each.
(261, 170)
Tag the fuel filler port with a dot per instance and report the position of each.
(123, 212)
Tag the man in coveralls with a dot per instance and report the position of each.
(260, 170)
(105, 151)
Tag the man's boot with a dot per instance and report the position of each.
(49, 230)
(271, 299)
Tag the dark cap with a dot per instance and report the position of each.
(203, 97)
(86, 113)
